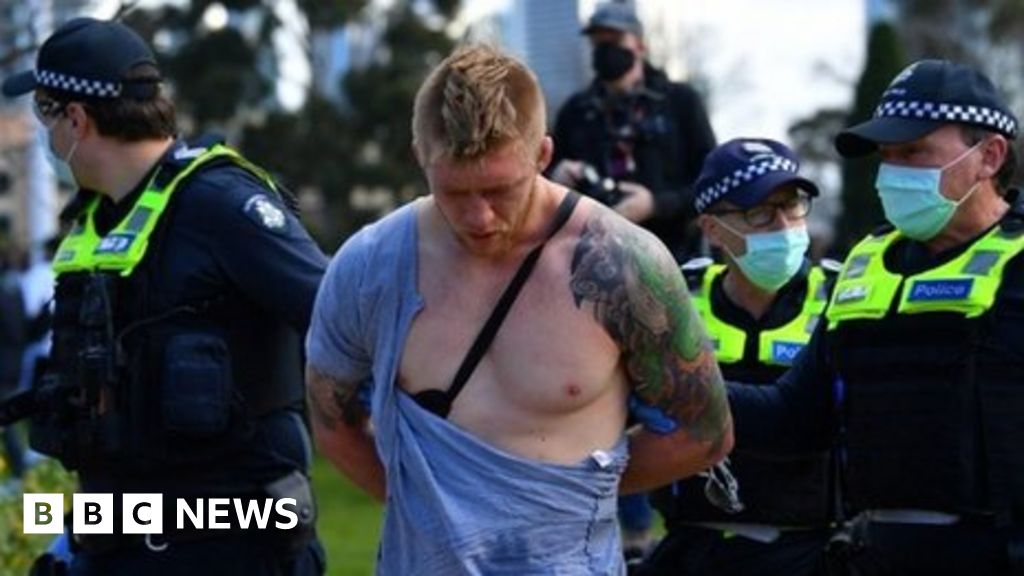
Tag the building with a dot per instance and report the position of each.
(28, 192)
(15, 138)
(546, 36)
(880, 10)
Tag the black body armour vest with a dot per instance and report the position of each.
(934, 408)
(135, 387)
(934, 412)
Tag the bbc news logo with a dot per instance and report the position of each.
(144, 513)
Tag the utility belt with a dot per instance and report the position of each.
(763, 533)
(852, 549)
(922, 517)
(295, 485)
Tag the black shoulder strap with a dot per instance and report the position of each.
(440, 401)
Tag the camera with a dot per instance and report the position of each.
(604, 190)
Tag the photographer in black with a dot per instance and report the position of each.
(633, 139)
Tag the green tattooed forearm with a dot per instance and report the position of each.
(637, 293)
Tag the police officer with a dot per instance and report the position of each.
(760, 308)
(633, 139)
(922, 350)
(182, 289)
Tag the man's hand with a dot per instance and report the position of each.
(637, 202)
(568, 172)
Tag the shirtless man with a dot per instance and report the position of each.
(521, 476)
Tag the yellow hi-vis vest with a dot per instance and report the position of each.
(121, 249)
(778, 347)
(967, 284)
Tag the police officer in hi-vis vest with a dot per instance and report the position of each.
(918, 367)
(760, 309)
(183, 287)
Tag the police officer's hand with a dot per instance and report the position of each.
(637, 202)
(568, 172)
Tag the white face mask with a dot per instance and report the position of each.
(61, 166)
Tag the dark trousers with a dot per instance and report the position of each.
(695, 551)
(886, 549)
(15, 448)
(635, 513)
(241, 555)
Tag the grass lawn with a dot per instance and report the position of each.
(349, 523)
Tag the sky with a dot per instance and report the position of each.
(767, 62)
(779, 61)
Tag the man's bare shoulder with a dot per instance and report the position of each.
(633, 287)
(612, 257)
(601, 221)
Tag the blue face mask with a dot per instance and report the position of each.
(912, 198)
(772, 258)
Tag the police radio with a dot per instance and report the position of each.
(97, 361)
(74, 412)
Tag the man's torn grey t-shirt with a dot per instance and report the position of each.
(455, 505)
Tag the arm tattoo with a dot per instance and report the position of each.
(332, 400)
(637, 293)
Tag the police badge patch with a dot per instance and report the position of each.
(261, 210)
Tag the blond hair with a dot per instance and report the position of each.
(476, 99)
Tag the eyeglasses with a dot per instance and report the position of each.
(721, 489)
(793, 208)
(46, 110)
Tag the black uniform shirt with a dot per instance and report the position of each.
(226, 238)
(221, 234)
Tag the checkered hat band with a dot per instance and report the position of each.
(83, 86)
(748, 173)
(961, 113)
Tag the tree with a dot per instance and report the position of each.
(861, 210)
(381, 97)
(988, 34)
(365, 144)
(221, 75)
(811, 138)
(309, 150)
(222, 80)
(330, 14)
